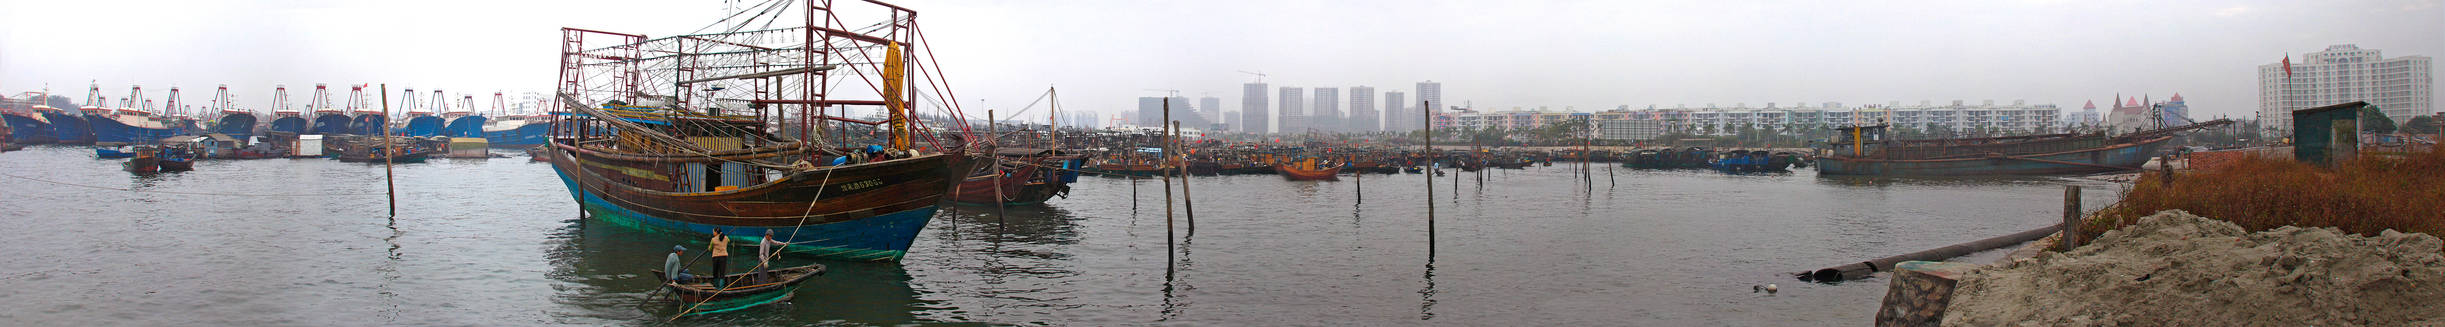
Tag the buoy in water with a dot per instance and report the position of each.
(1768, 288)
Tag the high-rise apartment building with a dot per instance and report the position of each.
(1150, 112)
(1432, 93)
(1326, 115)
(1209, 108)
(1253, 116)
(2399, 86)
(1293, 119)
(1363, 117)
(1398, 116)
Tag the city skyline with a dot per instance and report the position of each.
(1593, 54)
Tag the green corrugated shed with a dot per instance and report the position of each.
(2314, 133)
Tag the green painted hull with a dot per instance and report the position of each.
(736, 303)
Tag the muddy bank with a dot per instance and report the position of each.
(2174, 268)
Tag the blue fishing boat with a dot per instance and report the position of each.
(421, 125)
(464, 126)
(113, 153)
(367, 123)
(240, 123)
(516, 131)
(235, 123)
(28, 128)
(330, 122)
(132, 126)
(66, 127)
(289, 122)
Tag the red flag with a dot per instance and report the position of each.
(2287, 65)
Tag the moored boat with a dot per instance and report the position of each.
(1309, 169)
(28, 128)
(722, 163)
(66, 127)
(239, 123)
(1030, 177)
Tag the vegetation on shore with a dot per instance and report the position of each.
(2362, 196)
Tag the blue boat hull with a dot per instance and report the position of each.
(524, 136)
(293, 125)
(331, 124)
(239, 126)
(68, 128)
(27, 130)
(465, 126)
(2121, 157)
(368, 124)
(107, 130)
(421, 126)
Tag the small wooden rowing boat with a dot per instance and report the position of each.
(747, 290)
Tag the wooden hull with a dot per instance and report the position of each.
(746, 292)
(1327, 174)
(1022, 186)
(869, 211)
(174, 165)
(2112, 158)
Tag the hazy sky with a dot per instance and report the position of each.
(1103, 54)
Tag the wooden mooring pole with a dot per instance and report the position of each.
(1427, 112)
(993, 133)
(1169, 253)
(390, 181)
(2071, 217)
(1188, 203)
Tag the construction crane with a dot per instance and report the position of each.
(1260, 76)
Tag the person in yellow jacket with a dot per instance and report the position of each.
(721, 259)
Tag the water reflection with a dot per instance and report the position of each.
(602, 269)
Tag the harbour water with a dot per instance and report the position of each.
(498, 242)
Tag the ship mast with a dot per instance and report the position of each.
(356, 100)
(169, 105)
(220, 100)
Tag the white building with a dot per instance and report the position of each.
(1629, 130)
(2400, 86)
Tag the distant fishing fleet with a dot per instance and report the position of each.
(224, 130)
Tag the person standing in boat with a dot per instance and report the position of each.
(675, 269)
(764, 255)
(721, 259)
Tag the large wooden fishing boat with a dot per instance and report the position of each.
(1309, 169)
(709, 154)
(1865, 150)
(1024, 176)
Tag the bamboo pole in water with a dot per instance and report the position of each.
(1168, 239)
(390, 182)
(1428, 113)
(993, 133)
(1188, 204)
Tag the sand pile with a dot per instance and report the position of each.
(2174, 268)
